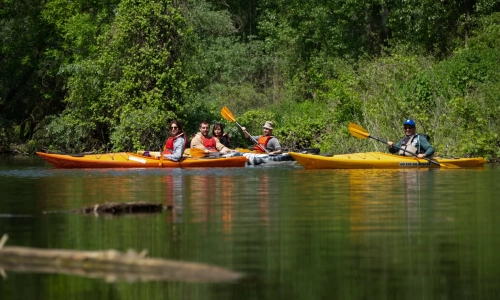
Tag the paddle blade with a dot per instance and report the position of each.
(226, 113)
(358, 131)
(197, 153)
(448, 166)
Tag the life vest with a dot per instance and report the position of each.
(262, 142)
(210, 144)
(410, 144)
(169, 144)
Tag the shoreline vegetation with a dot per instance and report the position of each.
(109, 76)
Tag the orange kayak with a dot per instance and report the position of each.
(132, 160)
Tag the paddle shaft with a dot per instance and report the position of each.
(161, 153)
(404, 150)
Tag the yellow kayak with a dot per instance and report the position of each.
(379, 160)
(132, 160)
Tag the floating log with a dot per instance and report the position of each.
(111, 265)
(121, 208)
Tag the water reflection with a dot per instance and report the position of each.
(228, 204)
(207, 198)
(174, 197)
(377, 198)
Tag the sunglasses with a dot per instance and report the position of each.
(174, 127)
(407, 128)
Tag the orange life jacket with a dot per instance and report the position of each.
(210, 144)
(262, 142)
(169, 145)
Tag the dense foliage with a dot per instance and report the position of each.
(109, 75)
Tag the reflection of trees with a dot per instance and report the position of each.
(68, 191)
(174, 195)
(207, 197)
(346, 234)
(263, 194)
(405, 236)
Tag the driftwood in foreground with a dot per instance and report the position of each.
(111, 265)
(121, 208)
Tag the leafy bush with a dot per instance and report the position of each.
(69, 133)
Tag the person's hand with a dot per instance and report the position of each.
(421, 155)
(243, 128)
(390, 144)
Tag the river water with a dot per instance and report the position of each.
(295, 233)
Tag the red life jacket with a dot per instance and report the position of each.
(210, 144)
(262, 142)
(169, 145)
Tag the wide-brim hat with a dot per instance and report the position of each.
(268, 125)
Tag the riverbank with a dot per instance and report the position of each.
(17, 149)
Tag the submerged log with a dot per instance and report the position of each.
(121, 208)
(111, 265)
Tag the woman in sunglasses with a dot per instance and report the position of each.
(412, 144)
(176, 143)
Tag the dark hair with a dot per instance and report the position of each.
(218, 124)
(204, 122)
(179, 126)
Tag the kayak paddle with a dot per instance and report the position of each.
(197, 153)
(226, 113)
(359, 132)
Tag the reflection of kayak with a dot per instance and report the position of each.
(131, 160)
(379, 160)
(255, 159)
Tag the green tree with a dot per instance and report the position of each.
(127, 90)
(30, 86)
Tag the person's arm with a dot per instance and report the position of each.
(220, 147)
(197, 143)
(244, 129)
(178, 150)
(426, 146)
(394, 148)
(274, 144)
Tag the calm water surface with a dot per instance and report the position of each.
(298, 234)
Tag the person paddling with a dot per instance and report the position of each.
(412, 142)
(267, 140)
